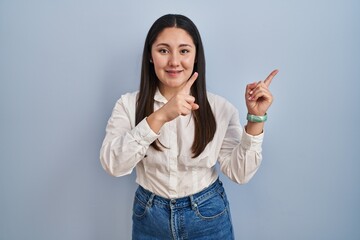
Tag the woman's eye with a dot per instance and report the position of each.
(184, 51)
(163, 51)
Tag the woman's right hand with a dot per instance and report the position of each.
(181, 103)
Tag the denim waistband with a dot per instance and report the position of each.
(150, 198)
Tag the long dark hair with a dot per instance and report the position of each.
(205, 124)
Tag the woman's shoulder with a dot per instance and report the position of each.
(219, 101)
(221, 107)
(126, 102)
(128, 98)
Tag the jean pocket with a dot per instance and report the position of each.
(139, 208)
(211, 208)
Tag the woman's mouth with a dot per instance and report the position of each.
(173, 73)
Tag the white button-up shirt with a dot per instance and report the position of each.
(173, 173)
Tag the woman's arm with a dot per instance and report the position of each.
(125, 145)
(240, 154)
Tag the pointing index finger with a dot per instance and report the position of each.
(190, 82)
(270, 77)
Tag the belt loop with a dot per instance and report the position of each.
(150, 201)
(193, 203)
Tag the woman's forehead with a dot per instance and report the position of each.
(174, 37)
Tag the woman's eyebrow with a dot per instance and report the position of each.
(180, 45)
(185, 45)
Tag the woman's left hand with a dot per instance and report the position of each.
(258, 97)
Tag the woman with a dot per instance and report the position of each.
(173, 132)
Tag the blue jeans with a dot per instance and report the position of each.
(204, 215)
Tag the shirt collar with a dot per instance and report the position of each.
(159, 97)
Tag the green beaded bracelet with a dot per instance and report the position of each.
(256, 119)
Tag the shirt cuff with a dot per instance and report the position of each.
(252, 142)
(143, 134)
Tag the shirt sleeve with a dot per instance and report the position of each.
(240, 154)
(124, 146)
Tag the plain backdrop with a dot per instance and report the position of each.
(63, 65)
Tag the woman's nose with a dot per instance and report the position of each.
(174, 60)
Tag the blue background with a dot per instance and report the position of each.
(63, 65)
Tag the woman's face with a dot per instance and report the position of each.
(173, 55)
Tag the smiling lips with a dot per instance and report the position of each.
(173, 73)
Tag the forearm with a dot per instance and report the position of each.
(240, 162)
(118, 161)
(121, 151)
(156, 120)
(253, 128)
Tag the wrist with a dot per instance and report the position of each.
(254, 129)
(159, 117)
(156, 121)
(256, 118)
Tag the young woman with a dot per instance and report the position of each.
(173, 132)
